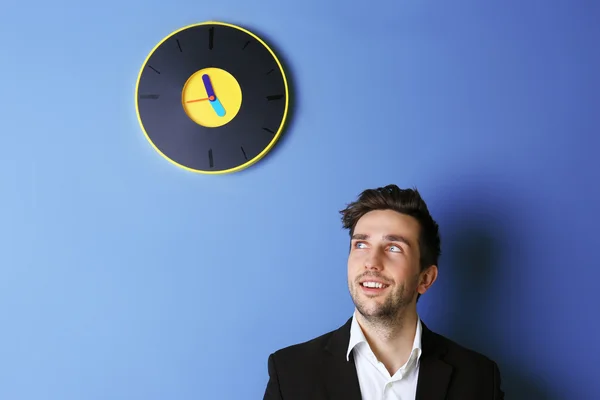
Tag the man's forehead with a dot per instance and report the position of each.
(402, 226)
(389, 220)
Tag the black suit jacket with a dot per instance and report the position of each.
(318, 370)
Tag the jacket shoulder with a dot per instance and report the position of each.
(294, 370)
(474, 373)
(303, 350)
(461, 354)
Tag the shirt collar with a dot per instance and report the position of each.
(357, 336)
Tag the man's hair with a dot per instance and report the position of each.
(404, 201)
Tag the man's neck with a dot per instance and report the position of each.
(391, 341)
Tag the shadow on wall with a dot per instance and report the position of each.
(291, 83)
(471, 243)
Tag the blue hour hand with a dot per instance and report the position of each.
(212, 97)
(218, 107)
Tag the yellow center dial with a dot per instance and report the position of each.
(211, 97)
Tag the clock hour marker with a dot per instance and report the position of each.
(268, 130)
(275, 97)
(244, 153)
(271, 70)
(211, 35)
(210, 158)
(179, 46)
(149, 96)
(246, 45)
(154, 69)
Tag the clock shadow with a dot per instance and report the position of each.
(292, 98)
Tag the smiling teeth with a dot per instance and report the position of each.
(373, 285)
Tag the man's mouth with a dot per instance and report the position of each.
(373, 285)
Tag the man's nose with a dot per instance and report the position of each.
(373, 261)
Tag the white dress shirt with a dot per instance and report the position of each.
(374, 379)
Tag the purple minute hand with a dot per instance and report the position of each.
(208, 86)
(212, 97)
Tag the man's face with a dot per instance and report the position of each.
(383, 264)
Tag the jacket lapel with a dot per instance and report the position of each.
(434, 373)
(341, 380)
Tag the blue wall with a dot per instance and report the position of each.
(125, 277)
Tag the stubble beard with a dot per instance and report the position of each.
(382, 311)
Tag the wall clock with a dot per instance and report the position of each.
(212, 98)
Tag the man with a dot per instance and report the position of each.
(384, 351)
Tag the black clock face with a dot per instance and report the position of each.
(212, 98)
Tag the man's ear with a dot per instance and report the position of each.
(427, 278)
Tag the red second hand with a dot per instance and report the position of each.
(206, 98)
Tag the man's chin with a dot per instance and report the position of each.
(370, 310)
(377, 310)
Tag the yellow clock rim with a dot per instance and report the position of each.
(279, 129)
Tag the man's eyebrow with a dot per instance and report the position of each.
(397, 238)
(391, 238)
